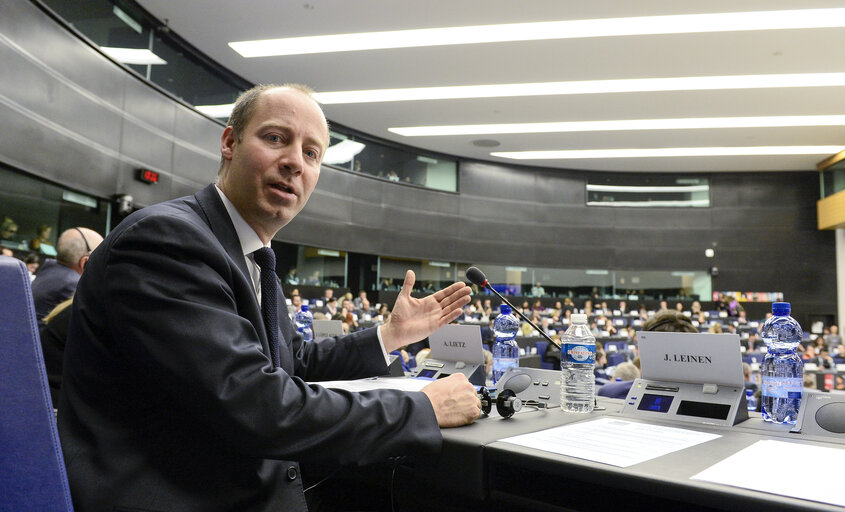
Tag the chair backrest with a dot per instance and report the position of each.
(32, 470)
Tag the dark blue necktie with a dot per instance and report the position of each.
(266, 259)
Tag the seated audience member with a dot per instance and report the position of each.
(715, 329)
(330, 307)
(5, 251)
(601, 363)
(328, 294)
(823, 361)
(695, 308)
(748, 377)
(291, 277)
(360, 299)
(623, 307)
(295, 305)
(41, 241)
(809, 353)
(53, 340)
(8, 229)
(537, 290)
(752, 343)
(834, 340)
(56, 279)
(32, 262)
(488, 365)
(679, 307)
(623, 376)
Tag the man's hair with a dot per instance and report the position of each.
(70, 247)
(246, 103)
(669, 321)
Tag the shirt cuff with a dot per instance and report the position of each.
(381, 344)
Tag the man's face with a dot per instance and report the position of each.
(270, 174)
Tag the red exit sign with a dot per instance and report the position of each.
(148, 176)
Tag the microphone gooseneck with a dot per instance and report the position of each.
(476, 277)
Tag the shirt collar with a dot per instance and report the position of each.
(250, 242)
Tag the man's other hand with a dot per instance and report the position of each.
(414, 319)
(454, 400)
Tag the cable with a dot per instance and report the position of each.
(333, 473)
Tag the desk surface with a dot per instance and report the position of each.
(484, 468)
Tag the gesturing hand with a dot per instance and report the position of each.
(414, 319)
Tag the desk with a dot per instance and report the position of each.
(478, 472)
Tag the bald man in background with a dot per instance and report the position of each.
(56, 279)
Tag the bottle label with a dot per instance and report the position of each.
(783, 387)
(577, 353)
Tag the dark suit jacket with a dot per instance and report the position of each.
(169, 400)
(53, 283)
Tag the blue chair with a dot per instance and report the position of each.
(615, 358)
(32, 469)
(541, 347)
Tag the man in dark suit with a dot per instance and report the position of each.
(56, 279)
(176, 397)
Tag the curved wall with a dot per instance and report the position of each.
(74, 117)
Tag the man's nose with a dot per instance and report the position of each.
(291, 159)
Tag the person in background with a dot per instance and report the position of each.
(537, 290)
(42, 237)
(5, 251)
(623, 375)
(679, 307)
(8, 229)
(291, 277)
(834, 340)
(748, 376)
(32, 262)
(695, 308)
(56, 278)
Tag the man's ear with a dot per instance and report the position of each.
(227, 143)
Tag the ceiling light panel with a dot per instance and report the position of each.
(693, 83)
(618, 125)
(569, 29)
(578, 154)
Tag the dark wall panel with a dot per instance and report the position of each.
(74, 117)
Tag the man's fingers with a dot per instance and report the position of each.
(449, 290)
(459, 294)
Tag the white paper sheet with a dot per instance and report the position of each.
(403, 384)
(768, 466)
(612, 441)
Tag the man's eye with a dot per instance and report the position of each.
(274, 138)
(311, 153)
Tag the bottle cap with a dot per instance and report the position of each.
(781, 308)
(304, 307)
(579, 318)
(505, 309)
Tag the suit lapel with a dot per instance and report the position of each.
(217, 218)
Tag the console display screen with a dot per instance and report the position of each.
(656, 403)
(428, 373)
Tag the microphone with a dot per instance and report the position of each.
(476, 277)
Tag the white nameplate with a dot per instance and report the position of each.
(457, 343)
(702, 358)
(327, 328)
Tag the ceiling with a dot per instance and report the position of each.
(211, 24)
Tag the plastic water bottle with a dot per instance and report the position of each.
(505, 349)
(782, 370)
(303, 320)
(578, 363)
(750, 400)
